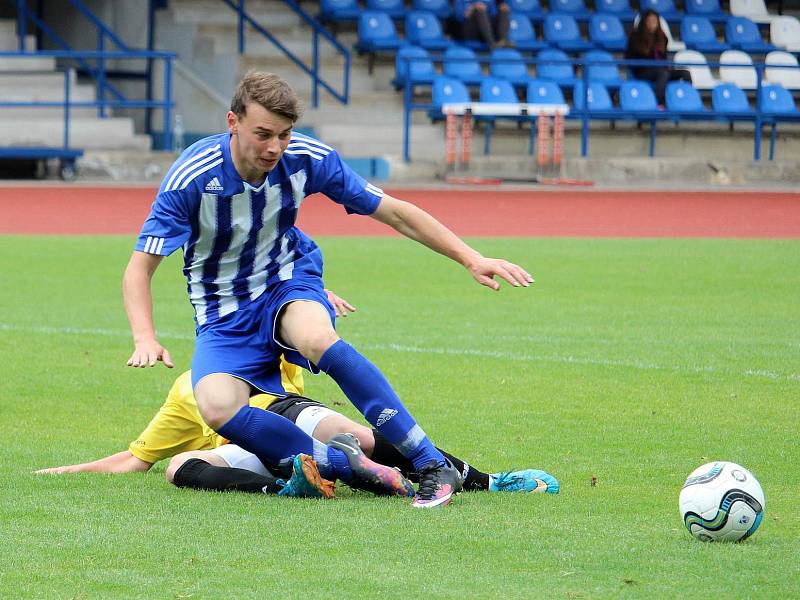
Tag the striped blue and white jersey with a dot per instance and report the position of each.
(238, 239)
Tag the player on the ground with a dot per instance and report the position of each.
(177, 431)
(255, 281)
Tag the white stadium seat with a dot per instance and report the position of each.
(696, 64)
(744, 77)
(755, 10)
(788, 78)
(784, 32)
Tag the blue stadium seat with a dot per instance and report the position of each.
(685, 100)
(637, 97)
(575, 8)
(563, 73)
(339, 10)
(530, 8)
(665, 8)
(446, 90)
(496, 91)
(441, 8)
(743, 34)
(599, 100)
(507, 63)
(606, 31)
(394, 8)
(376, 31)
(561, 30)
(542, 91)
(418, 69)
(729, 101)
(522, 34)
(606, 73)
(423, 29)
(460, 63)
(776, 100)
(698, 34)
(709, 9)
(619, 8)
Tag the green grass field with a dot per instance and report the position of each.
(630, 361)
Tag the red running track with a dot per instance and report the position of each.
(49, 209)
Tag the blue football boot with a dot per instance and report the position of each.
(532, 481)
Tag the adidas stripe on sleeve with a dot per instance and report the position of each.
(167, 227)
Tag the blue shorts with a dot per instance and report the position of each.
(244, 343)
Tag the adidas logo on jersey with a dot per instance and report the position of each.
(214, 185)
(386, 414)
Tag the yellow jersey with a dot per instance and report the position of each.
(178, 427)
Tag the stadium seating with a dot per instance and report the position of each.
(441, 8)
(709, 9)
(507, 63)
(560, 72)
(777, 101)
(696, 64)
(461, 63)
(423, 29)
(561, 31)
(606, 31)
(741, 33)
(665, 8)
(698, 34)
(606, 73)
(788, 78)
(637, 97)
(684, 102)
(784, 32)
(755, 10)
(522, 34)
(599, 100)
(446, 90)
(420, 70)
(339, 10)
(496, 91)
(730, 103)
(393, 8)
(744, 77)
(619, 8)
(530, 8)
(574, 8)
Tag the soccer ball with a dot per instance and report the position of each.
(721, 502)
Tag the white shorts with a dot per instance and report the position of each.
(239, 458)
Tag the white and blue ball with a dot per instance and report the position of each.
(721, 502)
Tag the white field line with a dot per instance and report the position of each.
(512, 356)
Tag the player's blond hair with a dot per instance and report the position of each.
(270, 91)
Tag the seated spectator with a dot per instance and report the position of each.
(648, 41)
(484, 20)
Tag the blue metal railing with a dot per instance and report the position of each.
(165, 104)
(758, 117)
(317, 30)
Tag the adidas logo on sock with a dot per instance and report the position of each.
(386, 414)
(214, 185)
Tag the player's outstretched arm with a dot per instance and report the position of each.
(121, 462)
(138, 299)
(415, 223)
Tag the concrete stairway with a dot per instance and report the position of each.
(36, 79)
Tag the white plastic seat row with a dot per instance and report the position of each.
(742, 76)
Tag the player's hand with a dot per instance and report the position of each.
(147, 354)
(484, 270)
(53, 471)
(340, 306)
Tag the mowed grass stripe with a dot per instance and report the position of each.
(557, 376)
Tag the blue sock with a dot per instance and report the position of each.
(275, 440)
(370, 393)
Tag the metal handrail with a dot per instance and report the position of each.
(313, 70)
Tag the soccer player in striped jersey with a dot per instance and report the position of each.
(255, 281)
